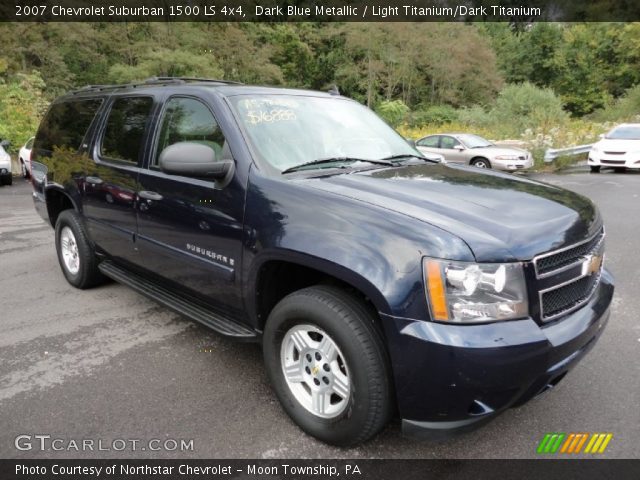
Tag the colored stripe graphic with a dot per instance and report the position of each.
(550, 443)
(574, 442)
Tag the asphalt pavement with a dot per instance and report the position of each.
(107, 364)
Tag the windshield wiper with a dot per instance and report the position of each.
(409, 155)
(322, 161)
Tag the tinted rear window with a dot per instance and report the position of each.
(66, 124)
(123, 135)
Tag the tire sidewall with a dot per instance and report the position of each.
(481, 160)
(348, 424)
(69, 219)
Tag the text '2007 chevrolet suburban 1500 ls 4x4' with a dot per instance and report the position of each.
(378, 281)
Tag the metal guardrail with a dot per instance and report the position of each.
(551, 154)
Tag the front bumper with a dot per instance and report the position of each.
(512, 165)
(453, 378)
(597, 159)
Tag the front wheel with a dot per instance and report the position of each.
(328, 365)
(481, 163)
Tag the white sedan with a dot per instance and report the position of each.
(24, 157)
(620, 148)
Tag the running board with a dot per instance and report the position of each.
(176, 302)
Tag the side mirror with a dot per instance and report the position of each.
(601, 136)
(193, 160)
(411, 142)
(458, 147)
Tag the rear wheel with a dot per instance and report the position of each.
(595, 168)
(481, 163)
(75, 252)
(620, 169)
(328, 365)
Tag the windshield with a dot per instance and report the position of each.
(474, 141)
(626, 132)
(290, 130)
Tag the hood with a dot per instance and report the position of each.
(612, 145)
(501, 217)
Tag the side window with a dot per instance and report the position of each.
(448, 142)
(189, 120)
(66, 124)
(122, 139)
(431, 142)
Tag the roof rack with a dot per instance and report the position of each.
(152, 81)
(190, 79)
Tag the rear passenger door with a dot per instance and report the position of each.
(190, 228)
(429, 144)
(111, 182)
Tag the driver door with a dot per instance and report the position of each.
(190, 228)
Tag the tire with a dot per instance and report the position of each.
(595, 168)
(9, 180)
(25, 171)
(620, 169)
(76, 254)
(481, 163)
(351, 375)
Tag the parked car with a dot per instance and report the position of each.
(6, 176)
(24, 157)
(376, 280)
(619, 148)
(474, 150)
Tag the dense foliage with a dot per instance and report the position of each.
(509, 80)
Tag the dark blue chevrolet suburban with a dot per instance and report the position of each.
(379, 282)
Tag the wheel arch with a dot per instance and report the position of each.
(276, 276)
(58, 200)
(479, 157)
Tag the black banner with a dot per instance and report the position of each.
(320, 469)
(319, 10)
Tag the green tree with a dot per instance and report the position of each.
(22, 104)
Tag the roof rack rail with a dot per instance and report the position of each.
(151, 81)
(190, 79)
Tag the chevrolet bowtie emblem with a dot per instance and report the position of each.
(591, 264)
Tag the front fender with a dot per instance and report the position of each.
(375, 250)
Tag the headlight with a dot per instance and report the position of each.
(507, 157)
(475, 292)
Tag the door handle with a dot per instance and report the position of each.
(147, 195)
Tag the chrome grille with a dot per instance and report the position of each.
(568, 297)
(567, 278)
(550, 263)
